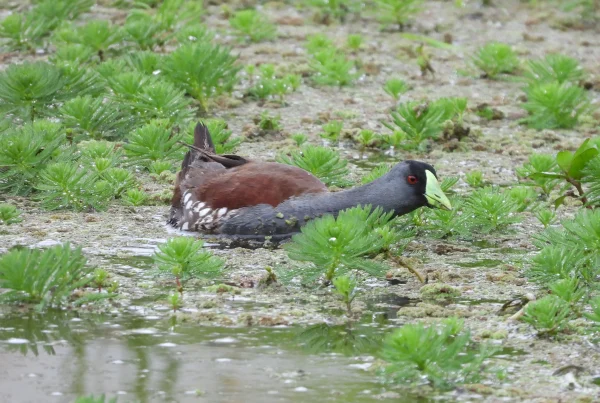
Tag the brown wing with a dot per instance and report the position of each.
(257, 183)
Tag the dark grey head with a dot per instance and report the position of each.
(415, 183)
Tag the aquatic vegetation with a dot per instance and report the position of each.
(268, 122)
(524, 196)
(548, 315)
(366, 138)
(345, 287)
(71, 54)
(253, 26)
(144, 32)
(318, 42)
(9, 214)
(334, 9)
(545, 216)
(568, 290)
(419, 122)
(299, 138)
(158, 167)
(336, 246)
(354, 41)
(442, 354)
(175, 300)
(24, 153)
(332, 130)
(487, 210)
(204, 70)
(322, 162)
(569, 252)
(332, 67)
(185, 258)
(594, 315)
(555, 106)
(100, 279)
(395, 87)
(554, 68)
(145, 61)
(153, 142)
(134, 197)
(534, 168)
(24, 31)
(65, 185)
(268, 85)
(398, 12)
(496, 58)
(343, 339)
(45, 278)
(98, 35)
(90, 117)
(474, 178)
(591, 179)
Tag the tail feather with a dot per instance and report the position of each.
(202, 138)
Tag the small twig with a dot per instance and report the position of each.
(404, 263)
(579, 188)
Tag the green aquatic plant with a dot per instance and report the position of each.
(71, 54)
(441, 354)
(100, 279)
(398, 12)
(267, 122)
(332, 130)
(253, 26)
(524, 196)
(145, 32)
(366, 138)
(336, 246)
(204, 70)
(269, 86)
(27, 90)
(94, 150)
(591, 179)
(9, 214)
(548, 315)
(318, 42)
(118, 179)
(24, 31)
(568, 290)
(185, 258)
(554, 68)
(339, 10)
(488, 210)
(474, 178)
(90, 117)
(354, 41)
(495, 59)
(299, 138)
(322, 162)
(572, 168)
(345, 287)
(594, 315)
(332, 67)
(175, 300)
(158, 167)
(24, 152)
(545, 216)
(45, 278)
(419, 122)
(153, 142)
(98, 35)
(572, 251)
(65, 185)
(144, 61)
(535, 167)
(442, 223)
(555, 106)
(134, 197)
(395, 87)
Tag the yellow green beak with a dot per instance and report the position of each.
(434, 194)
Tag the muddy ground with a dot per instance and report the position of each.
(487, 273)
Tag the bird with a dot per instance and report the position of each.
(230, 195)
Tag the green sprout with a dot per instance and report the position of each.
(345, 287)
(134, 197)
(487, 210)
(546, 217)
(175, 300)
(332, 67)
(555, 106)
(334, 9)
(9, 214)
(253, 26)
(45, 278)
(268, 85)
(548, 315)
(153, 142)
(398, 12)
(441, 354)
(322, 162)
(332, 130)
(204, 70)
(90, 117)
(395, 87)
(535, 167)
(523, 196)
(354, 42)
(98, 35)
(554, 68)
(185, 258)
(418, 122)
(474, 179)
(594, 315)
(268, 122)
(496, 58)
(299, 138)
(336, 246)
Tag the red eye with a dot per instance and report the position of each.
(412, 179)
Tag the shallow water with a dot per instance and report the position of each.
(59, 356)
